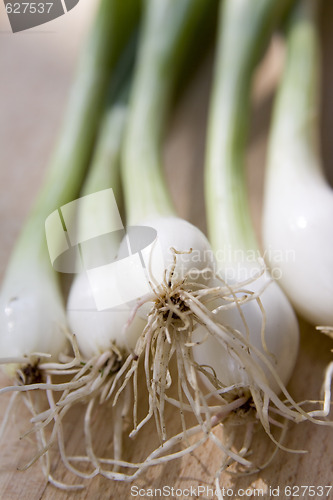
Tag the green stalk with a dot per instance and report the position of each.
(170, 29)
(104, 173)
(32, 314)
(114, 23)
(104, 170)
(296, 111)
(299, 228)
(245, 28)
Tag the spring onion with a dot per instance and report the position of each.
(106, 339)
(85, 379)
(298, 205)
(178, 271)
(231, 234)
(98, 353)
(33, 322)
(254, 354)
(32, 312)
(124, 330)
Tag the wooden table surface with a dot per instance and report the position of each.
(36, 71)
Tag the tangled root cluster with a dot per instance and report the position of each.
(165, 351)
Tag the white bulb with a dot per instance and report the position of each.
(281, 336)
(95, 329)
(194, 251)
(298, 238)
(32, 317)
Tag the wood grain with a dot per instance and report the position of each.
(36, 69)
